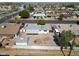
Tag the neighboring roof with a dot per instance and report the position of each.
(11, 28)
(73, 27)
(38, 9)
(39, 15)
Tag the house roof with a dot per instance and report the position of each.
(37, 27)
(39, 15)
(34, 28)
(11, 28)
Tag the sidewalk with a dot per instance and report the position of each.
(37, 47)
(42, 47)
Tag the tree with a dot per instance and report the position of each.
(30, 8)
(66, 37)
(61, 17)
(73, 5)
(71, 46)
(24, 14)
(41, 22)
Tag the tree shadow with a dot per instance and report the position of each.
(56, 40)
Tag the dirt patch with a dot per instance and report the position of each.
(45, 39)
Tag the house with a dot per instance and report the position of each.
(38, 9)
(39, 12)
(36, 29)
(40, 15)
(50, 13)
(21, 7)
(5, 7)
(9, 29)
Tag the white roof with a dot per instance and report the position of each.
(32, 31)
(37, 31)
(34, 28)
(39, 15)
(48, 11)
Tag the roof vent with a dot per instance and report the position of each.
(3, 26)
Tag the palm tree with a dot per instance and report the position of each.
(66, 37)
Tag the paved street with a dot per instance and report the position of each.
(8, 17)
(32, 20)
(50, 21)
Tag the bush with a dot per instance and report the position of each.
(24, 14)
(30, 8)
(41, 22)
(61, 17)
(77, 45)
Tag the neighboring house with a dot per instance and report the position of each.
(73, 27)
(39, 12)
(38, 9)
(40, 15)
(50, 13)
(5, 7)
(9, 29)
(21, 7)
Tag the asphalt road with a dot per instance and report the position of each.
(50, 21)
(8, 17)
